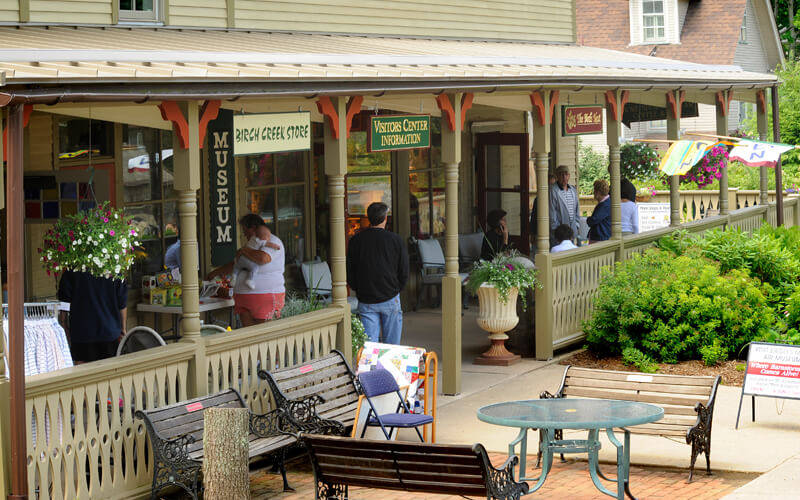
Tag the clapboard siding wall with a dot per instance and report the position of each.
(70, 11)
(9, 11)
(750, 54)
(202, 13)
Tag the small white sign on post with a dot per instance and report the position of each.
(271, 133)
(653, 216)
(773, 370)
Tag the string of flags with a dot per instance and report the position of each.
(683, 154)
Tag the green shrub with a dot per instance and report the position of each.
(670, 307)
(635, 357)
(591, 166)
(713, 353)
(357, 334)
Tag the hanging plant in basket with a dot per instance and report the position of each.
(638, 161)
(709, 169)
(99, 241)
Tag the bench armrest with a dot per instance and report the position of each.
(174, 451)
(269, 424)
(500, 481)
(702, 428)
(300, 415)
(548, 395)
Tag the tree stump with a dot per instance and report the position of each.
(225, 460)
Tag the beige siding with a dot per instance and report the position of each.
(540, 20)
(207, 13)
(71, 11)
(40, 133)
(750, 55)
(9, 11)
(40, 285)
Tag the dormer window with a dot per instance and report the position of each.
(653, 21)
(139, 10)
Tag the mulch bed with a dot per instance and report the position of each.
(727, 369)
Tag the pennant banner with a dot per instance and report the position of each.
(758, 154)
(683, 155)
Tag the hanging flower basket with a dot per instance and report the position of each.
(99, 241)
(708, 169)
(638, 161)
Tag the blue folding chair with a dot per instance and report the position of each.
(376, 383)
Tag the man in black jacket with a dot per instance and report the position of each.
(377, 269)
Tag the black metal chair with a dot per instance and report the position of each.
(378, 382)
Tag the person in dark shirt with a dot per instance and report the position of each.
(495, 240)
(97, 314)
(377, 269)
(600, 220)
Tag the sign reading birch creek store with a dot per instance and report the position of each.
(221, 182)
(271, 133)
(393, 133)
(581, 120)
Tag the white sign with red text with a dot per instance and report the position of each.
(773, 370)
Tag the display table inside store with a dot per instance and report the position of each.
(207, 304)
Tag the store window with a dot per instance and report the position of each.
(426, 185)
(139, 10)
(275, 184)
(150, 197)
(79, 138)
(369, 179)
(653, 20)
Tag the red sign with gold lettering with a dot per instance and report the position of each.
(578, 120)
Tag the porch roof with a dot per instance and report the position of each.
(240, 63)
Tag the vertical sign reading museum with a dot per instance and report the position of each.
(222, 182)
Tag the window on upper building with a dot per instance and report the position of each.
(653, 20)
(743, 29)
(139, 10)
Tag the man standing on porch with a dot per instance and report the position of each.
(377, 269)
(564, 207)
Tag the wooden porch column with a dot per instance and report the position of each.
(5, 395)
(336, 130)
(723, 106)
(615, 104)
(454, 107)
(543, 297)
(776, 136)
(16, 300)
(674, 102)
(761, 122)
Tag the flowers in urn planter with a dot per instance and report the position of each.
(504, 272)
(100, 241)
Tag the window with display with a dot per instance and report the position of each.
(426, 185)
(275, 185)
(150, 197)
(369, 179)
(80, 138)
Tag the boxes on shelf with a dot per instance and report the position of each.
(174, 295)
(158, 296)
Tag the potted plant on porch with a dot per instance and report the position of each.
(498, 283)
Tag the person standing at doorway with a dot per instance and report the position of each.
(377, 269)
(564, 207)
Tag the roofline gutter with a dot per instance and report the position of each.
(144, 92)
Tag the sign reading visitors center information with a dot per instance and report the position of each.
(773, 370)
(271, 133)
(392, 133)
(581, 120)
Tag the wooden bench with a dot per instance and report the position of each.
(688, 402)
(321, 395)
(414, 467)
(176, 437)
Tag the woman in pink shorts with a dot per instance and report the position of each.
(263, 298)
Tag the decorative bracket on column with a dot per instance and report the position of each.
(209, 112)
(674, 105)
(724, 100)
(544, 116)
(448, 112)
(326, 107)
(170, 111)
(611, 100)
(27, 109)
(761, 100)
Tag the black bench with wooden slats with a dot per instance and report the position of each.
(317, 394)
(688, 401)
(340, 462)
(176, 435)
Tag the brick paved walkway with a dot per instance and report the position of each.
(565, 481)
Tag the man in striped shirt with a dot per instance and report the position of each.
(563, 204)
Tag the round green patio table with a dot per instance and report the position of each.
(549, 415)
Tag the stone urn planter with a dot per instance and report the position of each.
(497, 318)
